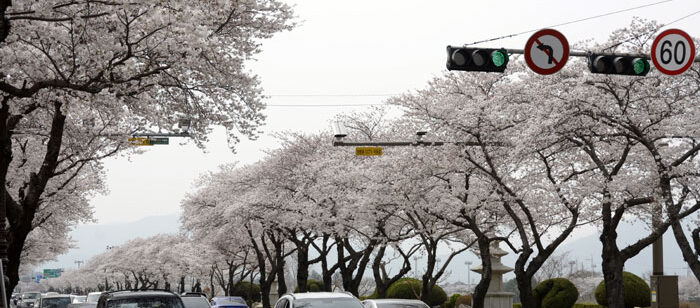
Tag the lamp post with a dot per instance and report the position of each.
(469, 272)
(415, 266)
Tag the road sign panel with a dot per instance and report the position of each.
(546, 51)
(139, 141)
(160, 140)
(368, 151)
(673, 52)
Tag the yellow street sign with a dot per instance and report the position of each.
(139, 141)
(368, 151)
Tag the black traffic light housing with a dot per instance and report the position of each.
(618, 65)
(476, 59)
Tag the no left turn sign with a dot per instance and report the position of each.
(546, 51)
(673, 52)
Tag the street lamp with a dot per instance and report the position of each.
(469, 278)
(415, 266)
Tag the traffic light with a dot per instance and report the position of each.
(618, 65)
(476, 59)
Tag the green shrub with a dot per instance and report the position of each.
(635, 291)
(555, 293)
(451, 301)
(517, 305)
(312, 286)
(464, 300)
(243, 288)
(410, 288)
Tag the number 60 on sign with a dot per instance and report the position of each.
(673, 52)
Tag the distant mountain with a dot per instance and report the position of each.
(92, 239)
(588, 249)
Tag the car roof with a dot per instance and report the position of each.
(131, 294)
(321, 295)
(56, 296)
(396, 301)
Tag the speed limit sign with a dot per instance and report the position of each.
(673, 52)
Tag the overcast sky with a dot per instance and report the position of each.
(357, 52)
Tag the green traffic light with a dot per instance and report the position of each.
(499, 58)
(640, 66)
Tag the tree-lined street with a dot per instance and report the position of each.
(509, 155)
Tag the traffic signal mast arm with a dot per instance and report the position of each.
(586, 54)
(339, 143)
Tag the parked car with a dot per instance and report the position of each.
(92, 297)
(394, 303)
(228, 302)
(195, 300)
(14, 299)
(54, 301)
(318, 300)
(77, 299)
(29, 299)
(140, 299)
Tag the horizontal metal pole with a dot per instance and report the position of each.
(161, 135)
(407, 143)
(585, 54)
(185, 134)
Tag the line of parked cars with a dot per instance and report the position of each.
(167, 299)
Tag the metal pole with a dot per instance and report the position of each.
(658, 246)
(585, 54)
(2, 286)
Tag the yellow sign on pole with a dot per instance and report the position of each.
(139, 141)
(368, 151)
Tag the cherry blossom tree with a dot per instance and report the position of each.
(574, 146)
(79, 77)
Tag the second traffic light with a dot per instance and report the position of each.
(618, 65)
(476, 59)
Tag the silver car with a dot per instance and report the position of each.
(394, 303)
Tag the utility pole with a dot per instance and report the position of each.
(79, 262)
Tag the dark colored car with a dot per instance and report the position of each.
(195, 300)
(140, 299)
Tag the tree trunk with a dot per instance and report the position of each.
(612, 268)
(279, 266)
(691, 257)
(21, 215)
(482, 287)
(302, 267)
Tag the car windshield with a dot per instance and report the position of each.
(327, 303)
(195, 302)
(227, 301)
(146, 302)
(55, 302)
(31, 295)
(400, 305)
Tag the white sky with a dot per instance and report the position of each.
(360, 47)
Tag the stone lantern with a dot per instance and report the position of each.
(495, 296)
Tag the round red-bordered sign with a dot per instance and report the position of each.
(546, 51)
(673, 52)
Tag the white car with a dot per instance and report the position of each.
(394, 303)
(92, 297)
(318, 300)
